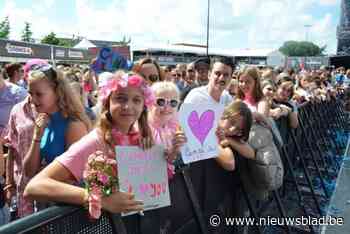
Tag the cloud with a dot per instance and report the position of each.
(329, 2)
(233, 23)
(272, 22)
(40, 23)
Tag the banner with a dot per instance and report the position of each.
(109, 60)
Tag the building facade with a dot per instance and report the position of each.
(343, 30)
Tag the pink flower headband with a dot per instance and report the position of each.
(126, 80)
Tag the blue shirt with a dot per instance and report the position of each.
(53, 141)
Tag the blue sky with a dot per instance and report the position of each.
(234, 23)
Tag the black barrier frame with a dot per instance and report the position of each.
(189, 181)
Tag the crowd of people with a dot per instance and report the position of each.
(53, 118)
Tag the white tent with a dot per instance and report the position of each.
(84, 44)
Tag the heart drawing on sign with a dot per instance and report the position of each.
(200, 127)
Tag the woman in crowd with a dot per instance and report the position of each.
(10, 94)
(269, 89)
(78, 89)
(288, 111)
(249, 91)
(163, 120)
(302, 92)
(150, 70)
(42, 127)
(14, 72)
(123, 121)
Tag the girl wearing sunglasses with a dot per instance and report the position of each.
(163, 120)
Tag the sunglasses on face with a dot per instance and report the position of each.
(161, 102)
(153, 78)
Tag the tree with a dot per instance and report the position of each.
(301, 48)
(51, 39)
(5, 28)
(27, 33)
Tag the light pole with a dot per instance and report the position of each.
(307, 27)
(208, 28)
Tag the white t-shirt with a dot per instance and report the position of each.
(201, 95)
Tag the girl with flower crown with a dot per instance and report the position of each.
(123, 121)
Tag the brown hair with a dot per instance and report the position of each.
(266, 83)
(239, 107)
(288, 85)
(254, 74)
(10, 69)
(105, 122)
(149, 60)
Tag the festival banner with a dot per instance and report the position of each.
(110, 61)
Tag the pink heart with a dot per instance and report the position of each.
(200, 127)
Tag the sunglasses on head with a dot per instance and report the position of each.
(162, 102)
(44, 68)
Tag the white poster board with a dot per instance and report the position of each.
(144, 173)
(199, 122)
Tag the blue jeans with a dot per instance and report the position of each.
(4, 215)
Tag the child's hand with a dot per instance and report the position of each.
(178, 141)
(121, 202)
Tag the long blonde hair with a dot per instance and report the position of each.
(68, 102)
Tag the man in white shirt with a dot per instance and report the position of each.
(219, 78)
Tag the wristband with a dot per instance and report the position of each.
(36, 140)
(86, 199)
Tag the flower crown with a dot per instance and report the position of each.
(124, 81)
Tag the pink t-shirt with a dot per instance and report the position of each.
(76, 157)
(164, 136)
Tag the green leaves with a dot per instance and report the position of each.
(27, 33)
(301, 48)
(5, 28)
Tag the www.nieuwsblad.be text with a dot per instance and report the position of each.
(216, 220)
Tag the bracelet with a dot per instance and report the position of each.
(86, 199)
(36, 140)
(7, 186)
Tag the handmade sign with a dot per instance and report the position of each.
(144, 173)
(109, 60)
(199, 123)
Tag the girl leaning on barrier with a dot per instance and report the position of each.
(126, 98)
(233, 133)
(282, 100)
(41, 127)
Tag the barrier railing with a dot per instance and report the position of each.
(310, 153)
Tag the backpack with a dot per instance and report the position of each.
(266, 171)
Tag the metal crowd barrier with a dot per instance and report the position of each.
(310, 153)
